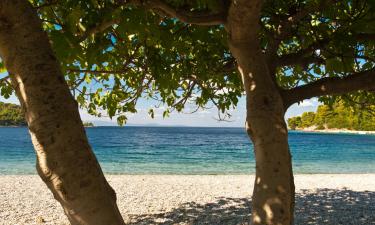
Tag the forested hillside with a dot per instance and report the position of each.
(11, 115)
(338, 116)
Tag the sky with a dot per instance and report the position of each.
(201, 118)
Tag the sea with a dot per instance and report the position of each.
(196, 150)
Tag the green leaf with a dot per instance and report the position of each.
(151, 113)
(334, 65)
(2, 67)
(165, 113)
(121, 120)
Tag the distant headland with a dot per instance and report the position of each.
(338, 118)
(11, 115)
(88, 124)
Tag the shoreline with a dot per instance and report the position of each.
(305, 130)
(197, 174)
(335, 131)
(197, 199)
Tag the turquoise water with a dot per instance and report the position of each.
(191, 150)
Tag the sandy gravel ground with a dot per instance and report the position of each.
(208, 199)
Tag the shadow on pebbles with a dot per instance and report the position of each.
(322, 206)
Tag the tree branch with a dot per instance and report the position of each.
(229, 66)
(365, 36)
(285, 27)
(184, 99)
(5, 79)
(96, 71)
(166, 10)
(331, 86)
(46, 4)
(100, 27)
(304, 56)
(198, 18)
(297, 59)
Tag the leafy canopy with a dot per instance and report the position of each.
(140, 55)
(116, 52)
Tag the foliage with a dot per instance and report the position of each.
(140, 56)
(340, 115)
(114, 53)
(307, 119)
(294, 122)
(88, 124)
(11, 115)
(329, 41)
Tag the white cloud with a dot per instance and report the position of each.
(296, 109)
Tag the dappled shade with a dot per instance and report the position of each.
(324, 206)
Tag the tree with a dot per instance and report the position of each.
(339, 115)
(65, 160)
(11, 115)
(88, 124)
(294, 122)
(323, 115)
(307, 119)
(175, 51)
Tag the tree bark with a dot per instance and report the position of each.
(65, 160)
(273, 196)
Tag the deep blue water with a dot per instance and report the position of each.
(188, 150)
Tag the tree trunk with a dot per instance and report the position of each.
(65, 160)
(273, 196)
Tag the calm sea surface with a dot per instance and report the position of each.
(188, 150)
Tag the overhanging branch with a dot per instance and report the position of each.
(97, 71)
(303, 56)
(296, 59)
(100, 27)
(198, 18)
(331, 86)
(164, 9)
(365, 36)
(4, 79)
(285, 28)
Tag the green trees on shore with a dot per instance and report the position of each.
(338, 116)
(11, 115)
(88, 124)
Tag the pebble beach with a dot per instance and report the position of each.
(197, 199)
